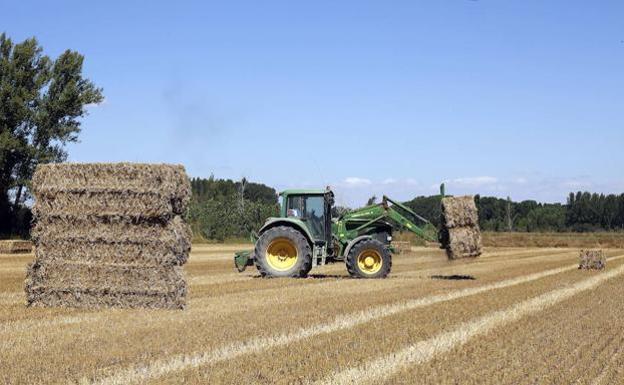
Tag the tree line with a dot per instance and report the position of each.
(582, 212)
(222, 208)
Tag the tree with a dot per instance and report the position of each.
(508, 215)
(41, 103)
(222, 208)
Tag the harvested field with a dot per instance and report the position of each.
(515, 315)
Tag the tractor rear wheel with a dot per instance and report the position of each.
(283, 252)
(369, 258)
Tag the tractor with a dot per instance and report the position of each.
(305, 235)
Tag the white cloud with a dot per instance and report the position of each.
(411, 181)
(576, 184)
(354, 181)
(475, 181)
(520, 180)
(389, 181)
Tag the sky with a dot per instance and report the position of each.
(505, 98)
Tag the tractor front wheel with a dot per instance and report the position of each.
(283, 252)
(369, 258)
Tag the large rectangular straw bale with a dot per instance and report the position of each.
(127, 204)
(464, 242)
(145, 254)
(15, 246)
(106, 299)
(113, 278)
(592, 260)
(95, 286)
(459, 211)
(109, 235)
(116, 189)
(111, 231)
(460, 233)
(163, 179)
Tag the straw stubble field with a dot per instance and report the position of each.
(514, 315)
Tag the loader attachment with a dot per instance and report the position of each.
(242, 259)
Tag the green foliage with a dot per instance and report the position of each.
(41, 103)
(338, 211)
(222, 209)
(371, 201)
(427, 207)
(588, 212)
(204, 189)
(584, 211)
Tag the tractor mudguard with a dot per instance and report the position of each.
(242, 259)
(353, 242)
(292, 222)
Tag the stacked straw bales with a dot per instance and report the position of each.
(15, 247)
(592, 260)
(461, 236)
(109, 235)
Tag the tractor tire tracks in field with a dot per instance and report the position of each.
(158, 368)
(423, 351)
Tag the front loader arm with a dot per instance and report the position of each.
(385, 212)
(402, 221)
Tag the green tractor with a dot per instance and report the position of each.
(305, 235)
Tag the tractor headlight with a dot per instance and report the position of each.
(389, 238)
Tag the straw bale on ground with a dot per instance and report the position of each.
(153, 253)
(592, 260)
(109, 235)
(15, 246)
(106, 299)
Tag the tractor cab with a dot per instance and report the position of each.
(312, 208)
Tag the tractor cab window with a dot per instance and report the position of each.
(311, 209)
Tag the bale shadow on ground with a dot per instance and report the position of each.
(323, 276)
(309, 276)
(454, 277)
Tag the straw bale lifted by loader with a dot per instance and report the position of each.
(305, 235)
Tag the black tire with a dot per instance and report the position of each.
(301, 265)
(373, 247)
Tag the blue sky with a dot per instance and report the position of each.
(520, 98)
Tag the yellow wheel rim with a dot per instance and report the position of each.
(369, 261)
(281, 254)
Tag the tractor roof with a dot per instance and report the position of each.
(303, 192)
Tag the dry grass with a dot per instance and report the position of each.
(578, 240)
(242, 329)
